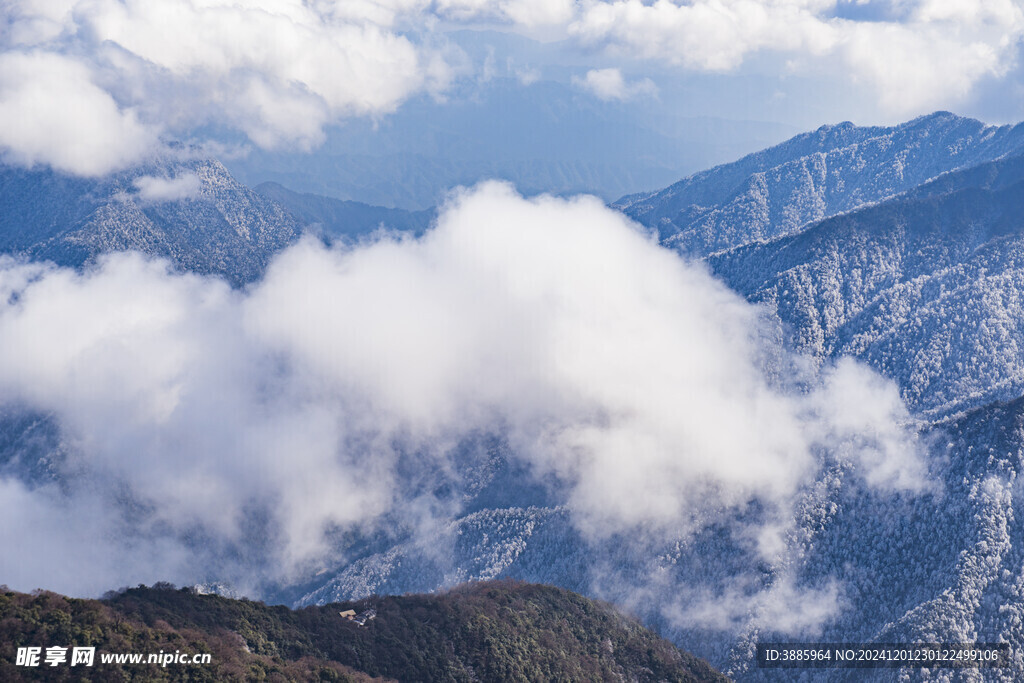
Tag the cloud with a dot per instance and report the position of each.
(110, 76)
(53, 112)
(526, 13)
(92, 86)
(933, 59)
(157, 189)
(917, 55)
(608, 84)
(243, 431)
(782, 607)
(706, 35)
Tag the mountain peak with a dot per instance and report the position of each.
(192, 212)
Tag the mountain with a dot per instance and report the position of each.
(901, 247)
(812, 176)
(493, 631)
(536, 543)
(192, 212)
(925, 287)
(341, 219)
(544, 136)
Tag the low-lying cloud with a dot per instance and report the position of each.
(212, 426)
(161, 189)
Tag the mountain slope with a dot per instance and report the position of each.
(925, 287)
(487, 631)
(203, 220)
(812, 176)
(200, 218)
(339, 218)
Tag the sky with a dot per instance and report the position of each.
(92, 86)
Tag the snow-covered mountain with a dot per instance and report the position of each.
(812, 176)
(926, 287)
(918, 273)
(902, 247)
(193, 213)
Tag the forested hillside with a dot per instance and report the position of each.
(492, 631)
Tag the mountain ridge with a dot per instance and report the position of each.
(812, 176)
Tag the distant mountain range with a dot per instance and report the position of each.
(901, 246)
(494, 631)
(547, 136)
(341, 219)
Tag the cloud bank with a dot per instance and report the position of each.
(242, 432)
(92, 86)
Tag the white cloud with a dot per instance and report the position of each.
(713, 35)
(609, 84)
(528, 77)
(526, 13)
(263, 422)
(925, 64)
(110, 77)
(863, 412)
(782, 607)
(52, 112)
(158, 189)
(931, 55)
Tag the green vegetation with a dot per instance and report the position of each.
(494, 631)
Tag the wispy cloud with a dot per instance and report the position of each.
(609, 84)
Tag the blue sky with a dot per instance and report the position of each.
(91, 86)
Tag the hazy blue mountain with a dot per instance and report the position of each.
(547, 136)
(813, 176)
(340, 219)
